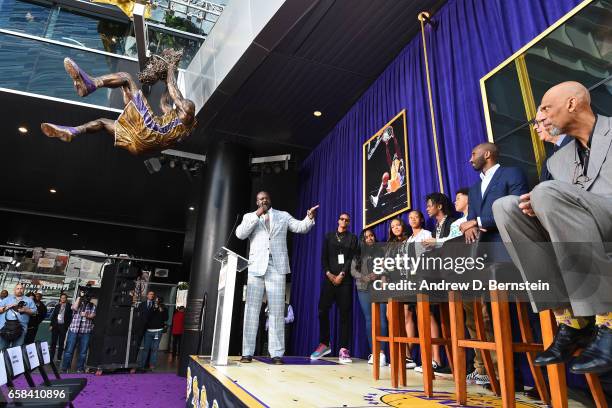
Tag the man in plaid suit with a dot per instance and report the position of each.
(266, 229)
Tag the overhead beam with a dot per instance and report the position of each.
(91, 220)
(140, 31)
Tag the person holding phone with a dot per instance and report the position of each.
(155, 326)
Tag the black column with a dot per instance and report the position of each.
(225, 195)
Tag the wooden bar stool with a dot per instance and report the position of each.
(502, 345)
(397, 340)
(556, 372)
(377, 339)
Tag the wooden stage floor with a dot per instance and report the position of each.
(329, 384)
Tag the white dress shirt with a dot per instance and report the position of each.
(486, 180)
(560, 140)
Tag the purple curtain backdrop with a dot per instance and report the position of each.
(472, 37)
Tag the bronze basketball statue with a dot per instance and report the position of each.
(137, 129)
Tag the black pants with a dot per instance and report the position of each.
(31, 334)
(342, 296)
(176, 344)
(58, 338)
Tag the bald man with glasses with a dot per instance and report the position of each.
(573, 212)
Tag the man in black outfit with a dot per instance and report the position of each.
(60, 320)
(144, 311)
(439, 208)
(339, 247)
(41, 313)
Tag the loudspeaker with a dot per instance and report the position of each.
(117, 285)
(123, 269)
(112, 323)
(116, 321)
(107, 350)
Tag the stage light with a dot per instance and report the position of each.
(18, 264)
(52, 190)
(317, 113)
(75, 235)
(191, 208)
(23, 130)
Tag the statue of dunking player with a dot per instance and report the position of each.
(137, 129)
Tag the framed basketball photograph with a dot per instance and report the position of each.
(386, 172)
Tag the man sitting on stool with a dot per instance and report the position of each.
(573, 211)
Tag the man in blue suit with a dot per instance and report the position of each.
(496, 182)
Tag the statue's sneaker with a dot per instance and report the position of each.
(83, 84)
(64, 133)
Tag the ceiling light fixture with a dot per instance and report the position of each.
(52, 190)
(317, 113)
(191, 208)
(23, 130)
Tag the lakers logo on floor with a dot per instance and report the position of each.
(417, 399)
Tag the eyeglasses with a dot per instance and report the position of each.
(534, 122)
(345, 219)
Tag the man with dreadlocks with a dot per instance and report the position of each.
(137, 129)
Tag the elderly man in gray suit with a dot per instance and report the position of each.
(573, 213)
(266, 230)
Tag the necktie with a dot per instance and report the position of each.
(267, 221)
(149, 305)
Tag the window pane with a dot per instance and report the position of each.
(24, 17)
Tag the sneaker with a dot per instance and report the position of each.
(382, 360)
(410, 364)
(321, 351)
(64, 133)
(482, 379)
(246, 359)
(83, 84)
(438, 370)
(344, 357)
(471, 377)
(374, 201)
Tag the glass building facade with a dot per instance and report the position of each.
(35, 37)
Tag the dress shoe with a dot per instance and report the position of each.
(597, 356)
(246, 359)
(567, 341)
(277, 360)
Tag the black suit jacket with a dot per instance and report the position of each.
(545, 174)
(67, 315)
(445, 227)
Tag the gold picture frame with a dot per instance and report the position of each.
(383, 200)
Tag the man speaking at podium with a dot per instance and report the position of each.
(266, 229)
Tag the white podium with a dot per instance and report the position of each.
(231, 263)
